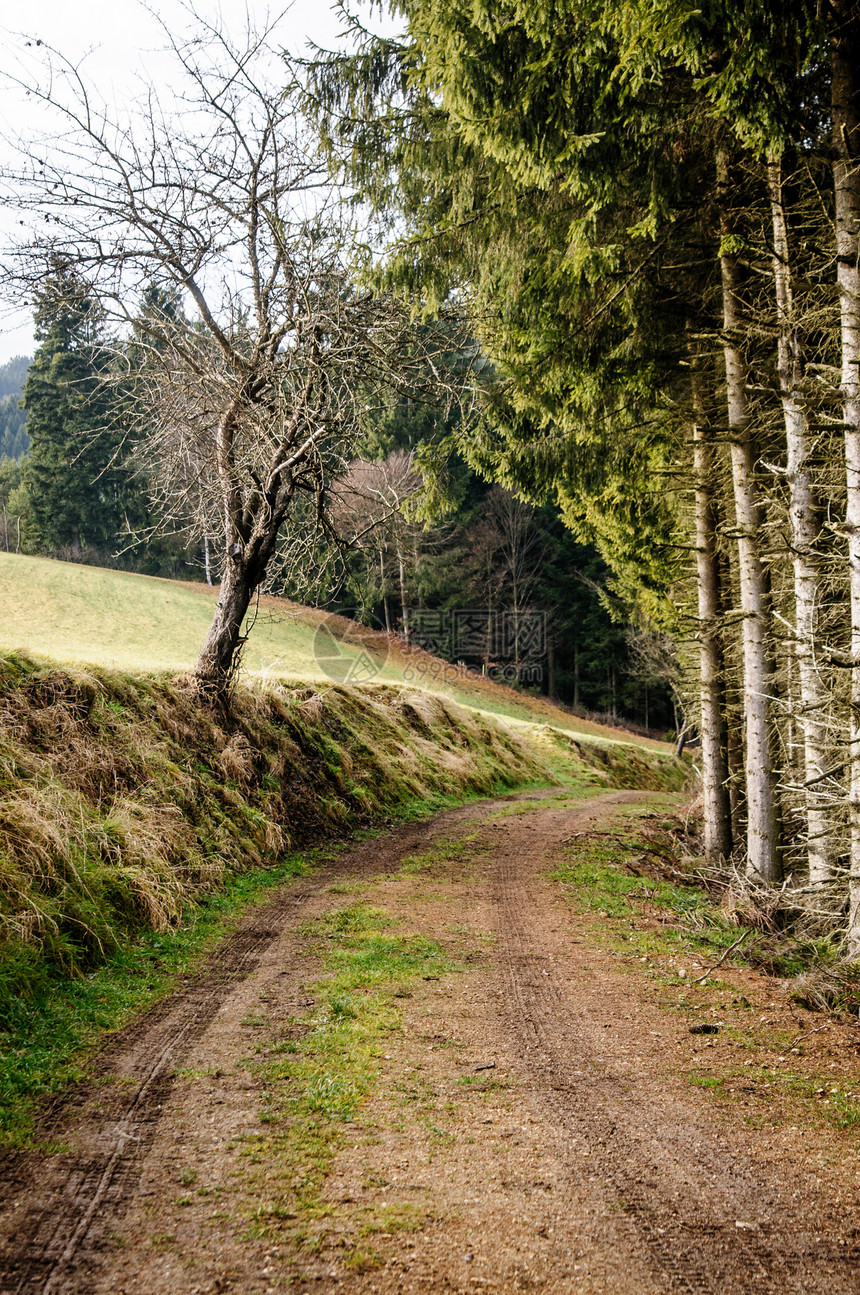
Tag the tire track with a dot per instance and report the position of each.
(684, 1199)
(76, 1192)
(666, 1186)
(58, 1209)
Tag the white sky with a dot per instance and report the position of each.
(123, 41)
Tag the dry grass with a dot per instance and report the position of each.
(122, 800)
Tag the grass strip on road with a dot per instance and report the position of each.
(316, 1079)
(51, 1038)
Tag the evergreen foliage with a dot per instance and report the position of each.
(561, 222)
(13, 375)
(75, 485)
(14, 440)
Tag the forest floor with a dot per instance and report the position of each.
(431, 1066)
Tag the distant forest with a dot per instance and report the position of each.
(14, 441)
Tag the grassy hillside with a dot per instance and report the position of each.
(123, 800)
(78, 614)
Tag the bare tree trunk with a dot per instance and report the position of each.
(219, 656)
(206, 563)
(805, 528)
(516, 633)
(733, 693)
(763, 861)
(401, 576)
(715, 772)
(384, 592)
(244, 570)
(846, 183)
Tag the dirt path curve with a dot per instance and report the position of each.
(532, 1130)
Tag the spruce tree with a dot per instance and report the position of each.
(74, 485)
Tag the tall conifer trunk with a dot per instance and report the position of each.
(805, 527)
(845, 91)
(763, 860)
(715, 772)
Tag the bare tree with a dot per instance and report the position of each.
(805, 535)
(370, 515)
(259, 397)
(715, 772)
(845, 117)
(507, 551)
(522, 550)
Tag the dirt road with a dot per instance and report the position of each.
(529, 1121)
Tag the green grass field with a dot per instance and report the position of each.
(79, 614)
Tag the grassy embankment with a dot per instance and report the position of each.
(132, 820)
(75, 614)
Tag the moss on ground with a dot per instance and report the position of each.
(318, 1074)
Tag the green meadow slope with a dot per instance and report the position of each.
(87, 615)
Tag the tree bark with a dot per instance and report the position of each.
(805, 529)
(715, 772)
(219, 656)
(401, 578)
(763, 859)
(249, 545)
(248, 548)
(206, 563)
(845, 45)
(727, 562)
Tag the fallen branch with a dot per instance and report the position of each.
(721, 960)
(587, 832)
(817, 1030)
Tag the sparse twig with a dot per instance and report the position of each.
(817, 1030)
(721, 960)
